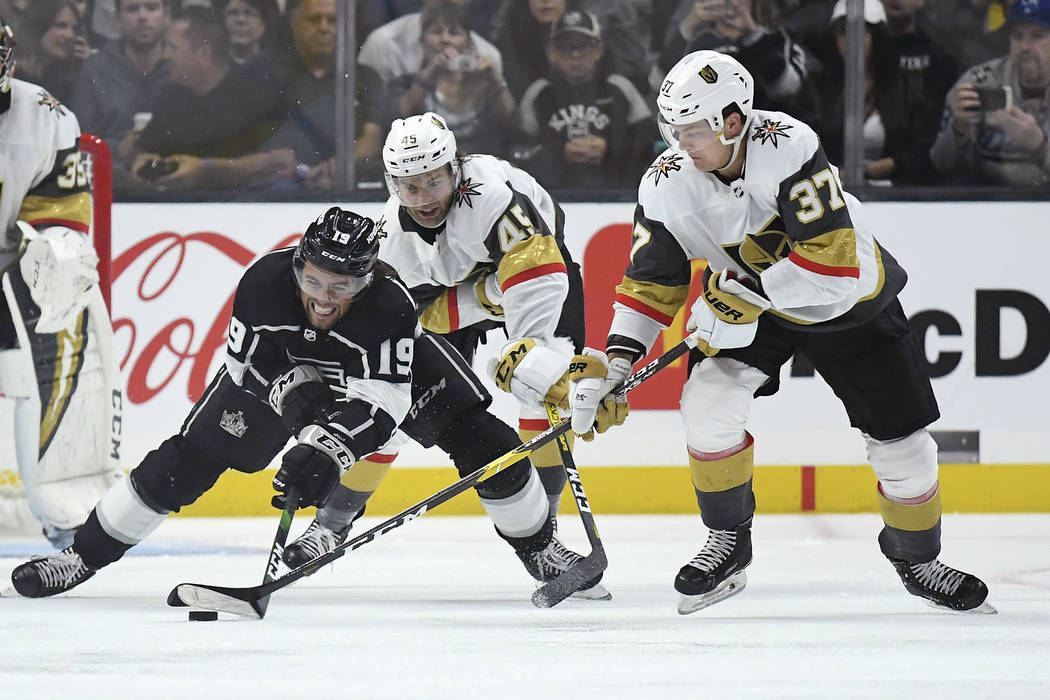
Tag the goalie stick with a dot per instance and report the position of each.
(568, 582)
(246, 601)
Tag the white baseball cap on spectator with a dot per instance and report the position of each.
(874, 12)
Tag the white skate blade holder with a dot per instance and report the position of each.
(984, 608)
(727, 589)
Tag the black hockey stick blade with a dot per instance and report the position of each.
(568, 582)
(561, 587)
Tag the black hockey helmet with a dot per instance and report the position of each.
(7, 55)
(341, 243)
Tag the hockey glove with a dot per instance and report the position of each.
(726, 313)
(301, 397)
(532, 373)
(592, 376)
(313, 467)
(60, 267)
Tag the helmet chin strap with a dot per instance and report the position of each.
(736, 143)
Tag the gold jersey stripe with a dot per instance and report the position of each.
(913, 518)
(68, 356)
(73, 210)
(534, 256)
(834, 249)
(874, 293)
(663, 299)
(442, 316)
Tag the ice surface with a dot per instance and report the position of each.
(440, 609)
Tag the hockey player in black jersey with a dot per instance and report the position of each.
(324, 346)
(792, 267)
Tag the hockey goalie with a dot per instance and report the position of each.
(60, 402)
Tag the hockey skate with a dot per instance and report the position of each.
(555, 559)
(717, 571)
(315, 541)
(47, 575)
(944, 587)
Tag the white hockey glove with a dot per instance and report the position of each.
(592, 375)
(60, 267)
(726, 313)
(534, 374)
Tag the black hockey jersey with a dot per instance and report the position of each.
(365, 358)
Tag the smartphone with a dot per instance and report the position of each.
(994, 98)
(463, 62)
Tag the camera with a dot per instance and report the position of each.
(994, 98)
(157, 167)
(463, 62)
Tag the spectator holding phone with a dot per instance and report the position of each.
(457, 82)
(997, 116)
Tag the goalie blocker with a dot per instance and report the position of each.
(63, 388)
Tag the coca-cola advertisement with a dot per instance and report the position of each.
(175, 269)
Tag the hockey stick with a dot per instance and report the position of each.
(568, 582)
(245, 601)
(284, 525)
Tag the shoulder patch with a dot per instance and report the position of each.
(45, 99)
(771, 131)
(664, 166)
(467, 189)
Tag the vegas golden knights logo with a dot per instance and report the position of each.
(708, 74)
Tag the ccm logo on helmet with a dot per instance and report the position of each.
(413, 159)
(337, 258)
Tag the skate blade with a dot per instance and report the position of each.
(595, 592)
(984, 608)
(727, 589)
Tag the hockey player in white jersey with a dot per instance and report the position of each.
(792, 266)
(480, 245)
(57, 368)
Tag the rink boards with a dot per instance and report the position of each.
(978, 295)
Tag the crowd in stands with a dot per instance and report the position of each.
(219, 95)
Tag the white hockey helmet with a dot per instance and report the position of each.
(419, 144)
(700, 87)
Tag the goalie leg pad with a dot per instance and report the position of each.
(716, 403)
(68, 412)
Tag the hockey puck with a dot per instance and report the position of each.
(203, 615)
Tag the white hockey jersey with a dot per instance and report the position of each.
(42, 179)
(502, 222)
(786, 224)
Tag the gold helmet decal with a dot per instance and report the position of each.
(708, 74)
(438, 122)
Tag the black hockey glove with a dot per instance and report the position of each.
(312, 472)
(301, 397)
(313, 467)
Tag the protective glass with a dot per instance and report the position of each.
(422, 190)
(326, 286)
(695, 136)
